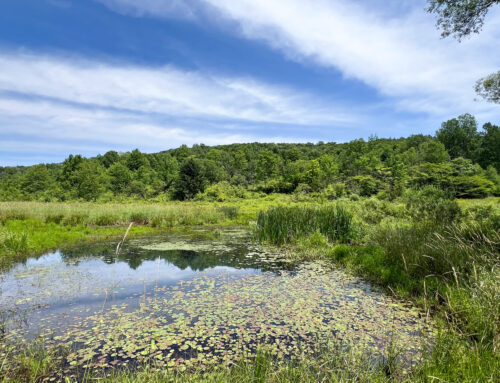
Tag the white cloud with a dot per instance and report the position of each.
(165, 91)
(401, 57)
(51, 105)
(42, 129)
(392, 47)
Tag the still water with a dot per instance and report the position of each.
(195, 299)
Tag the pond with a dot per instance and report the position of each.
(193, 300)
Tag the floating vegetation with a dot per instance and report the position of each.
(187, 246)
(183, 318)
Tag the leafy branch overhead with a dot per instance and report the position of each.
(460, 18)
(489, 87)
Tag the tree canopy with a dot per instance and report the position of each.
(461, 158)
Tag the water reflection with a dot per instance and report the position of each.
(172, 296)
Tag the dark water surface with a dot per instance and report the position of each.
(194, 299)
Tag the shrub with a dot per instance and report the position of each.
(334, 191)
(303, 189)
(365, 185)
(54, 218)
(230, 212)
(473, 187)
(139, 218)
(75, 219)
(222, 191)
(106, 220)
(17, 243)
(432, 204)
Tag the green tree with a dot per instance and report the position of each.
(433, 152)
(89, 180)
(191, 179)
(70, 165)
(489, 151)
(166, 167)
(36, 179)
(365, 185)
(109, 158)
(136, 159)
(268, 165)
(460, 136)
(120, 177)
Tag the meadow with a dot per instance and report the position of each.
(441, 255)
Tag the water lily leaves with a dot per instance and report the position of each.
(215, 317)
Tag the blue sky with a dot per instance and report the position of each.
(88, 76)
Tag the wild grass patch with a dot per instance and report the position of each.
(282, 225)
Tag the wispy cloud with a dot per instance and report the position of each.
(49, 99)
(165, 91)
(398, 53)
(185, 9)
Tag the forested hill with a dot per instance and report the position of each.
(460, 159)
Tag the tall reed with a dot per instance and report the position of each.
(283, 224)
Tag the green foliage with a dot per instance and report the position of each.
(334, 191)
(489, 87)
(382, 167)
(191, 180)
(36, 179)
(268, 165)
(109, 158)
(459, 136)
(472, 187)
(431, 204)
(365, 186)
(433, 152)
(489, 150)
(136, 160)
(222, 191)
(89, 180)
(120, 177)
(460, 18)
(17, 244)
(283, 225)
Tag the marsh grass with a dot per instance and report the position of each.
(30, 228)
(89, 214)
(283, 225)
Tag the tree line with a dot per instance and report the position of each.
(460, 158)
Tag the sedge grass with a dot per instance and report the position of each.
(282, 225)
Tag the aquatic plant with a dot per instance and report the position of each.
(281, 225)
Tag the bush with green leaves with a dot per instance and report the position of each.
(222, 191)
(431, 204)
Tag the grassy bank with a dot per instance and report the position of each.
(450, 268)
(31, 228)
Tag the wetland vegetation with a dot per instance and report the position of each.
(354, 262)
